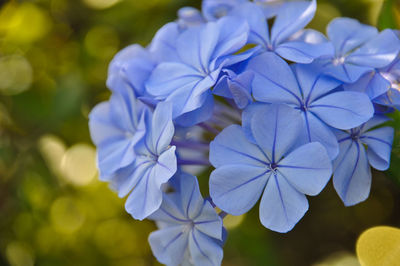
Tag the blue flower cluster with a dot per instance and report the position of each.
(242, 87)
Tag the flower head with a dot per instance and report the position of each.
(190, 229)
(358, 49)
(273, 166)
(352, 173)
(313, 95)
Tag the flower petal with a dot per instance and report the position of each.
(352, 174)
(379, 142)
(292, 17)
(308, 168)
(204, 250)
(301, 52)
(282, 206)
(277, 130)
(344, 109)
(169, 245)
(236, 188)
(274, 81)
(232, 147)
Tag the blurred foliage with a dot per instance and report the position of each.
(53, 211)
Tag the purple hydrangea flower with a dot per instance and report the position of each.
(190, 231)
(313, 96)
(272, 167)
(352, 173)
(358, 49)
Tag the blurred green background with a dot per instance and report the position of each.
(53, 211)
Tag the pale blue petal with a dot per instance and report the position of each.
(277, 130)
(312, 82)
(373, 84)
(209, 222)
(215, 9)
(352, 174)
(146, 197)
(310, 36)
(346, 72)
(168, 211)
(347, 34)
(169, 245)
(162, 129)
(343, 110)
(163, 45)
(259, 33)
(232, 147)
(377, 52)
(199, 115)
(317, 131)
(233, 33)
(292, 17)
(236, 188)
(248, 114)
(189, 17)
(191, 200)
(301, 52)
(375, 121)
(196, 46)
(308, 168)
(379, 142)
(169, 76)
(274, 81)
(282, 206)
(204, 251)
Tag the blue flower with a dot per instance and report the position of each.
(203, 52)
(215, 9)
(190, 230)
(359, 49)
(130, 68)
(290, 19)
(189, 17)
(235, 86)
(273, 166)
(116, 127)
(155, 164)
(313, 95)
(381, 85)
(352, 173)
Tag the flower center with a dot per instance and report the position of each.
(273, 167)
(339, 61)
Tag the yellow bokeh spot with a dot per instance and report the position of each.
(379, 246)
(102, 42)
(100, 4)
(117, 238)
(231, 221)
(23, 23)
(19, 254)
(339, 259)
(78, 164)
(67, 215)
(52, 149)
(15, 74)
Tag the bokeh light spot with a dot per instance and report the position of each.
(24, 23)
(379, 246)
(52, 149)
(15, 74)
(19, 254)
(231, 221)
(100, 4)
(78, 164)
(102, 42)
(67, 215)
